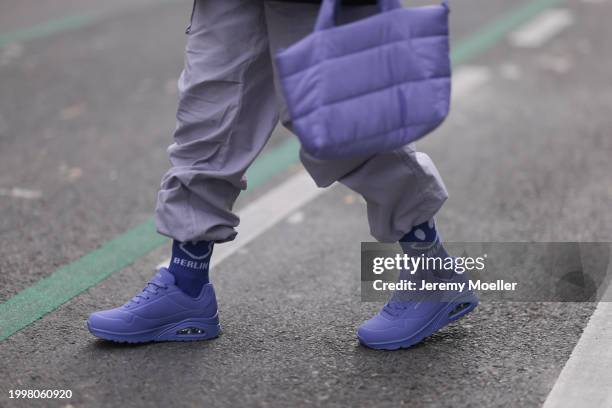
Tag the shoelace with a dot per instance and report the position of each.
(151, 289)
(395, 308)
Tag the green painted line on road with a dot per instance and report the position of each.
(74, 278)
(496, 31)
(51, 27)
(277, 160)
(67, 23)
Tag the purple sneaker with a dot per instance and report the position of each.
(161, 312)
(404, 323)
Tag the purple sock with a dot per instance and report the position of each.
(189, 265)
(423, 233)
(424, 239)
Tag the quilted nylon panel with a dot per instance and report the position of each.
(369, 86)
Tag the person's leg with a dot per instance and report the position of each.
(225, 116)
(402, 188)
(226, 113)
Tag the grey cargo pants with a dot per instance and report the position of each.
(228, 107)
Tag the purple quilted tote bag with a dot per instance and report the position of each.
(369, 86)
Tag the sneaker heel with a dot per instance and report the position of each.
(191, 330)
(461, 309)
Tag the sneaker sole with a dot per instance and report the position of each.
(454, 311)
(185, 330)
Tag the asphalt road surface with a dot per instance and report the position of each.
(87, 101)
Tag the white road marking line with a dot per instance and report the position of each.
(468, 78)
(556, 63)
(296, 218)
(10, 53)
(542, 29)
(265, 212)
(17, 192)
(511, 72)
(586, 379)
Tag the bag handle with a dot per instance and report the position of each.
(327, 12)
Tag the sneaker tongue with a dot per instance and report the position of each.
(163, 277)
